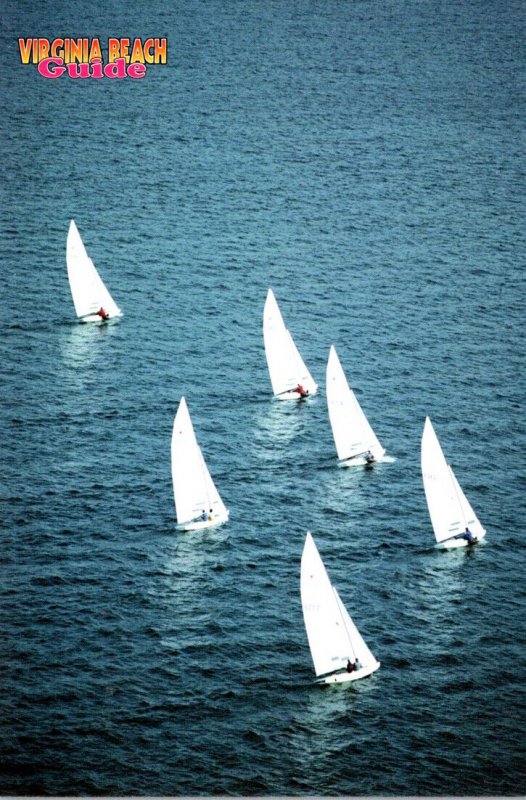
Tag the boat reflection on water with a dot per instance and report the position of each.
(278, 424)
(81, 344)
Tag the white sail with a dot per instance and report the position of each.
(88, 291)
(353, 435)
(194, 489)
(286, 367)
(334, 639)
(448, 506)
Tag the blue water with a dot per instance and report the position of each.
(366, 160)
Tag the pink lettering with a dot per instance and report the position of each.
(79, 70)
(136, 70)
(117, 69)
(96, 68)
(47, 70)
(53, 67)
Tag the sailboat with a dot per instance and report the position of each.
(197, 501)
(287, 370)
(356, 442)
(335, 643)
(92, 300)
(454, 522)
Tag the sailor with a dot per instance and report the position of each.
(469, 537)
(369, 457)
(301, 390)
(204, 515)
(353, 666)
(102, 313)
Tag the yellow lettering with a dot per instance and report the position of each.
(137, 52)
(113, 50)
(43, 49)
(95, 51)
(24, 45)
(161, 51)
(57, 48)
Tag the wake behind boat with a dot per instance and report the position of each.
(455, 524)
(197, 501)
(92, 300)
(290, 378)
(338, 650)
(356, 442)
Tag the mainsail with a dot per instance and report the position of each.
(87, 288)
(194, 489)
(286, 367)
(449, 508)
(334, 639)
(353, 434)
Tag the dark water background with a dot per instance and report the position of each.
(366, 160)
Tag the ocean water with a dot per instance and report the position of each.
(366, 161)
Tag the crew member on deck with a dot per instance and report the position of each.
(301, 390)
(102, 313)
(469, 537)
(353, 667)
(369, 457)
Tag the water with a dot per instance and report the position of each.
(366, 161)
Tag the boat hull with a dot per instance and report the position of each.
(453, 544)
(359, 461)
(202, 524)
(97, 318)
(294, 395)
(348, 677)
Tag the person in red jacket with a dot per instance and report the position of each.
(301, 390)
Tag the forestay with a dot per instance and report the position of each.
(87, 288)
(285, 364)
(352, 432)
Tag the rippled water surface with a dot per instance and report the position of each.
(366, 160)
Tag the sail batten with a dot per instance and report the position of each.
(286, 367)
(449, 508)
(88, 290)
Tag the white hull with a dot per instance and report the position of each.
(98, 318)
(359, 461)
(294, 396)
(201, 525)
(452, 544)
(347, 677)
